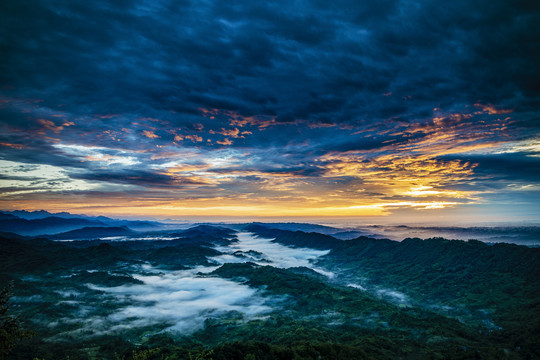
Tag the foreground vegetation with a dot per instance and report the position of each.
(417, 299)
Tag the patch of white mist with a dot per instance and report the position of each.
(179, 301)
(272, 253)
(356, 286)
(393, 296)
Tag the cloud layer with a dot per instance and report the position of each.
(273, 108)
(178, 301)
(181, 301)
(268, 253)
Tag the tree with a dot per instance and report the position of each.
(10, 329)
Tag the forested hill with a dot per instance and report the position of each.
(296, 238)
(48, 225)
(435, 257)
(499, 284)
(271, 293)
(93, 233)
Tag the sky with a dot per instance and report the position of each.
(396, 110)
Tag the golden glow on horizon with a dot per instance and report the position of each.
(407, 171)
(236, 209)
(422, 191)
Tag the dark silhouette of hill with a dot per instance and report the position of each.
(48, 225)
(40, 214)
(37, 255)
(93, 233)
(215, 231)
(4, 216)
(207, 235)
(308, 228)
(295, 238)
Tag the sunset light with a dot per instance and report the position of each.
(262, 180)
(248, 117)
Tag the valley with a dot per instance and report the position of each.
(261, 290)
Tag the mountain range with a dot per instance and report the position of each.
(36, 223)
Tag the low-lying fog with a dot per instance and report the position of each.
(181, 300)
(265, 252)
(528, 235)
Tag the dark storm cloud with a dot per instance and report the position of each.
(37, 152)
(302, 170)
(508, 167)
(344, 95)
(302, 61)
(135, 177)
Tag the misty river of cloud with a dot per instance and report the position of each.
(180, 301)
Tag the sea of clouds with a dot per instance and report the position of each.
(180, 301)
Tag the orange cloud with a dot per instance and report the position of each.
(225, 142)
(49, 125)
(409, 164)
(13, 146)
(492, 110)
(234, 133)
(150, 134)
(194, 138)
(236, 119)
